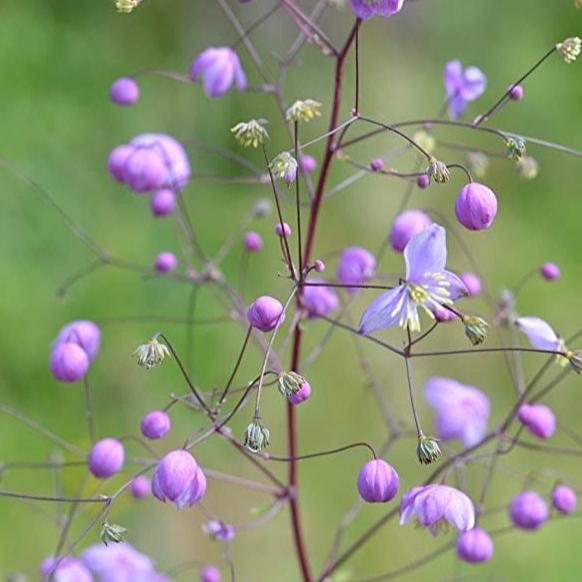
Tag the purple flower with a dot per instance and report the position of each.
(155, 424)
(364, 9)
(318, 300)
(539, 333)
(140, 487)
(443, 315)
(124, 91)
(515, 92)
(165, 262)
(178, 478)
(427, 285)
(472, 283)
(68, 362)
(476, 206)
(538, 419)
(475, 546)
(253, 242)
(564, 499)
(376, 164)
(307, 164)
(433, 505)
(528, 510)
(318, 266)
(356, 266)
(265, 312)
(284, 230)
(461, 411)
(378, 482)
(106, 458)
(82, 332)
(301, 395)
(163, 202)
(66, 570)
(220, 68)
(219, 530)
(210, 574)
(423, 181)
(462, 86)
(550, 271)
(119, 563)
(406, 225)
(151, 161)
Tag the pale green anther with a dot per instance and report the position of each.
(418, 293)
(256, 437)
(438, 171)
(290, 383)
(427, 449)
(516, 148)
(284, 167)
(575, 359)
(250, 133)
(112, 533)
(475, 329)
(305, 110)
(151, 354)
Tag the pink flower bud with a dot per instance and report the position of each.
(564, 499)
(302, 395)
(307, 164)
(378, 482)
(528, 510)
(68, 362)
(423, 181)
(515, 92)
(472, 283)
(319, 266)
(284, 230)
(140, 487)
(163, 202)
(406, 225)
(264, 313)
(106, 458)
(165, 262)
(155, 424)
(550, 271)
(82, 332)
(376, 165)
(476, 206)
(124, 91)
(253, 242)
(538, 419)
(211, 573)
(475, 546)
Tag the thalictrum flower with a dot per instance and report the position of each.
(426, 284)
(364, 9)
(462, 86)
(219, 68)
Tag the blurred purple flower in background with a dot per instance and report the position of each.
(318, 299)
(66, 570)
(356, 266)
(220, 69)
(528, 510)
(364, 9)
(106, 458)
(538, 419)
(406, 225)
(462, 86)
(539, 333)
(475, 546)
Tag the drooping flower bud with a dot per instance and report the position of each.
(256, 437)
(378, 482)
(476, 206)
(155, 424)
(151, 354)
(165, 262)
(140, 487)
(423, 181)
(290, 383)
(250, 133)
(564, 499)
(112, 533)
(284, 167)
(475, 329)
(106, 458)
(475, 546)
(179, 479)
(163, 202)
(438, 171)
(406, 225)
(528, 510)
(515, 92)
(86, 334)
(307, 164)
(220, 69)
(356, 266)
(68, 362)
(550, 271)
(210, 574)
(427, 449)
(319, 266)
(305, 110)
(538, 419)
(472, 283)
(264, 313)
(516, 148)
(376, 164)
(284, 230)
(303, 394)
(253, 242)
(570, 49)
(124, 91)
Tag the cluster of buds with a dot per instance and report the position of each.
(475, 329)
(438, 171)
(251, 133)
(515, 148)
(284, 167)
(427, 449)
(256, 437)
(304, 110)
(570, 49)
(151, 354)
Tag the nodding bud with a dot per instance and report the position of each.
(105, 458)
(220, 69)
(538, 419)
(253, 242)
(112, 533)
(564, 499)
(140, 487)
(305, 110)
(68, 362)
(476, 206)
(290, 383)
(86, 334)
(475, 329)
(250, 133)
(378, 482)
(124, 91)
(438, 171)
(155, 424)
(377, 164)
(516, 148)
(303, 394)
(575, 359)
(527, 167)
(264, 313)
(307, 164)
(163, 202)
(475, 546)
(550, 271)
(423, 181)
(282, 230)
(427, 449)
(256, 437)
(319, 266)
(528, 510)
(151, 354)
(210, 574)
(515, 92)
(570, 49)
(165, 262)
(406, 225)
(477, 162)
(425, 140)
(284, 167)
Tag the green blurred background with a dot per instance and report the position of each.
(57, 59)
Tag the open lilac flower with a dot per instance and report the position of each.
(426, 284)
(539, 333)
(356, 266)
(67, 570)
(364, 9)
(219, 68)
(436, 505)
(462, 86)
(461, 411)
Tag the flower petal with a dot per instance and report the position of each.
(384, 311)
(539, 333)
(426, 253)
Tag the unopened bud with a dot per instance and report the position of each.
(475, 329)
(427, 450)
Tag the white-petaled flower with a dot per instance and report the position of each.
(570, 49)
(305, 110)
(284, 167)
(151, 354)
(438, 171)
(426, 141)
(250, 133)
(126, 6)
